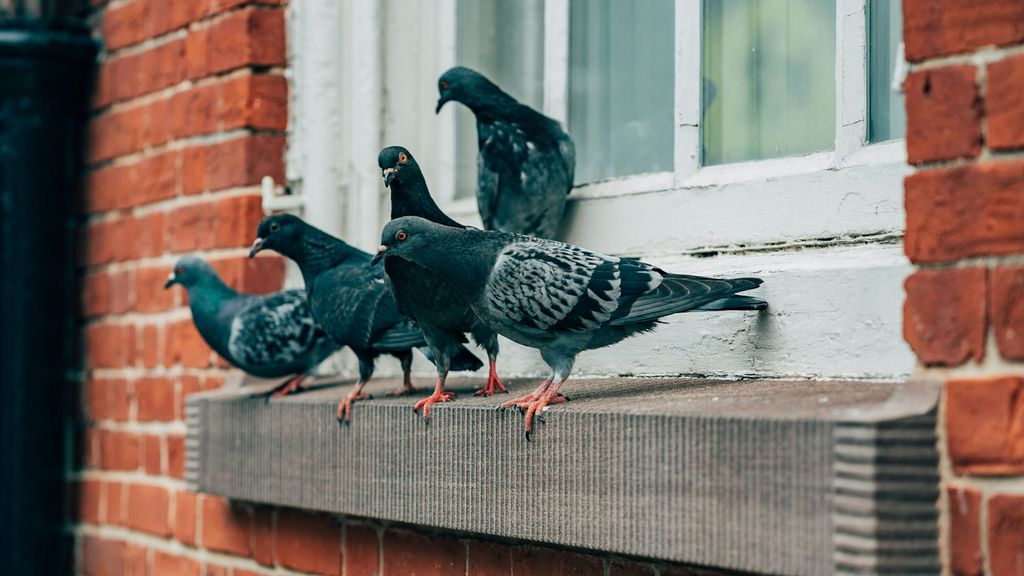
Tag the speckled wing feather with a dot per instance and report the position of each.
(276, 330)
(546, 285)
(680, 292)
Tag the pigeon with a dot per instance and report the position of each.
(558, 298)
(351, 301)
(267, 336)
(526, 162)
(441, 312)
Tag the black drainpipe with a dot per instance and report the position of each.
(45, 81)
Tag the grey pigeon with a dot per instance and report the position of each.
(349, 298)
(441, 312)
(269, 336)
(558, 298)
(526, 161)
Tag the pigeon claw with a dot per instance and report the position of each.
(345, 407)
(437, 396)
(534, 409)
(493, 383)
(290, 386)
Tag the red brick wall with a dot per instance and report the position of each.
(964, 310)
(189, 115)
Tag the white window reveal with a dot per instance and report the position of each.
(751, 137)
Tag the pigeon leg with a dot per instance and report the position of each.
(492, 382)
(345, 406)
(290, 386)
(407, 387)
(439, 395)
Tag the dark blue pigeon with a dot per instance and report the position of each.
(558, 298)
(526, 161)
(350, 299)
(269, 336)
(428, 297)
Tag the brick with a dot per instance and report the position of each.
(183, 345)
(102, 557)
(152, 454)
(165, 564)
(534, 561)
(243, 161)
(149, 289)
(103, 90)
(193, 170)
(252, 275)
(1004, 108)
(184, 528)
(225, 527)
(122, 291)
(1006, 310)
(109, 188)
(160, 126)
(194, 111)
(95, 294)
(361, 553)
(119, 450)
(126, 79)
(985, 425)
(108, 399)
(308, 542)
(151, 346)
(126, 24)
(944, 114)
(942, 27)
(1006, 534)
(163, 66)
(619, 567)
(147, 238)
(148, 509)
(197, 56)
(965, 531)
(87, 501)
(263, 535)
(136, 562)
(254, 101)
(964, 212)
(117, 133)
(176, 456)
(944, 315)
(489, 559)
(408, 552)
(115, 495)
(248, 37)
(158, 178)
(155, 399)
(214, 570)
(224, 223)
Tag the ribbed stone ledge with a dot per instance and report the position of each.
(803, 477)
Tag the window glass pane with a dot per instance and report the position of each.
(887, 118)
(769, 78)
(505, 42)
(621, 83)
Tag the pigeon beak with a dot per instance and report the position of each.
(440, 104)
(257, 245)
(379, 254)
(389, 175)
(171, 280)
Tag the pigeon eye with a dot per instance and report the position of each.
(403, 157)
(179, 270)
(401, 235)
(444, 85)
(274, 226)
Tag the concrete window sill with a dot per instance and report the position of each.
(791, 477)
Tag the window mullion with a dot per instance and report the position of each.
(851, 77)
(556, 59)
(688, 80)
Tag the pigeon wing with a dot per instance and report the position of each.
(542, 286)
(354, 304)
(275, 330)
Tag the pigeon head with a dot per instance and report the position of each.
(189, 271)
(404, 236)
(468, 86)
(277, 232)
(398, 165)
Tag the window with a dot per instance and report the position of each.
(713, 136)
